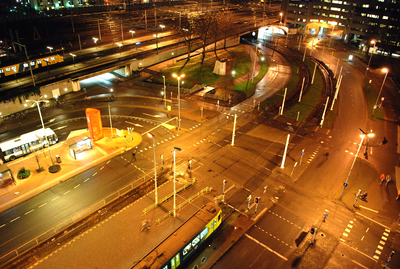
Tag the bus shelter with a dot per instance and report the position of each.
(79, 144)
(6, 176)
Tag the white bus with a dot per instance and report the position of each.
(26, 143)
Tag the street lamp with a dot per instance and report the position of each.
(155, 167)
(132, 32)
(73, 57)
(50, 48)
(162, 29)
(370, 58)
(333, 29)
(95, 41)
(179, 98)
(175, 149)
(385, 70)
(280, 22)
(53, 168)
(119, 45)
(165, 94)
(363, 135)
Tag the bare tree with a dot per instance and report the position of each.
(186, 34)
(226, 24)
(203, 25)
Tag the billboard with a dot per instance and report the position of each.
(95, 126)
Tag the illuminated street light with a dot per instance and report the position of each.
(162, 29)
(385, 70)
(370, 58)
(280, 22)
(132, 32)
(165, 94)
(53, 167)
(50, 48)
(73, 57)
(333, 29)
(119, 45)
(155, 167)
(175, 149)
(95, 41)
(179, 98)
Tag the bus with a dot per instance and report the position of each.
(26, 144)
(175, 250)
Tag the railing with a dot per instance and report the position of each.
(181, 205)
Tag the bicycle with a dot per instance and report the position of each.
(382, 178)
(387, 179)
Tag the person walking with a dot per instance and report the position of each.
(382, 178)
(134, 155)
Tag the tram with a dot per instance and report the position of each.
(175, 250)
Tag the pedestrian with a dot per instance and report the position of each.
(327, 156)
(134, 155)
(190, 167)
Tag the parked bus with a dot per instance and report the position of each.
(176, 249)
(26, 143)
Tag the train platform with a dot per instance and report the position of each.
(39, 181)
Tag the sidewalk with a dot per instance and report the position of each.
(102, 150)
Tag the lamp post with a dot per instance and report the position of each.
(95, 41)
(179, 98)
(165, 94)
(355, 158)
(50, 48)
(175, 149)
(280, 22)
(385, 70)
(132, 32)
(162, 29)
(333, 29)
(44, 131)
(119, 45)
(73, 57)
(370, 58)
(155, 167)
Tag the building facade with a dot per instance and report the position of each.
(357, 21)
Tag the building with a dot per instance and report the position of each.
(358, 21)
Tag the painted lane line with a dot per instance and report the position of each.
(375, 211)
(382, 242)
(359, 264)
(338, 220)
(384, 238)
(261, 244)
(30, 211)
(108, 161)
(66, 192)
(350, 226)
(386, 234)
(77, 186)
(14, 219)
(374, 259)
(380, 247)
(94, 174)
(86, 179)
(384, 226)
(55, 198)
(102, 168)
(2, 226)
(42, 205)
(362, 238)
(367, 230)
(378, 252)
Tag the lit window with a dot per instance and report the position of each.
(204, 233)
(335, 8)
(365, 6)
(336, 2)
(187, 249)
(195, 241)
(385, 18)
(26, 65)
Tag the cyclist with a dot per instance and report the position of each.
(387, 179)
(382, 178)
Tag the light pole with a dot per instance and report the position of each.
(162, 29)
(385, 70)
(109, 114)
(280, 22)
(95, 41)
(370, 58)
(179, 97)
(165, 94)
(175, 149)
(355, 158)
(119, 45)
(132, 32)
(44, 130)
(155, 167)
(333, 29)
(73, 57)
(50, 48)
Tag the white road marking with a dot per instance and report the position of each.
(101, 168)
(2, 226)
(66, 192)
(359, 264)
(369, 209)
(86, 179)
(14, 219)
(384, 226)
(42, 205)
(55, 198)
(94, 174)
(261, 244)
(77, 186)
(29, 211)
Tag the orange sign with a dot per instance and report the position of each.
(93, 117)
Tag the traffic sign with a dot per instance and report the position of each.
(345, 184)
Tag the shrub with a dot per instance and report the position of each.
(23, 173)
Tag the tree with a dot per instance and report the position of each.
(187, 33)
(203, 25)
(226, 24)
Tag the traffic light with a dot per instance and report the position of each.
(257, 200)
(384, 141)
(312, 231)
